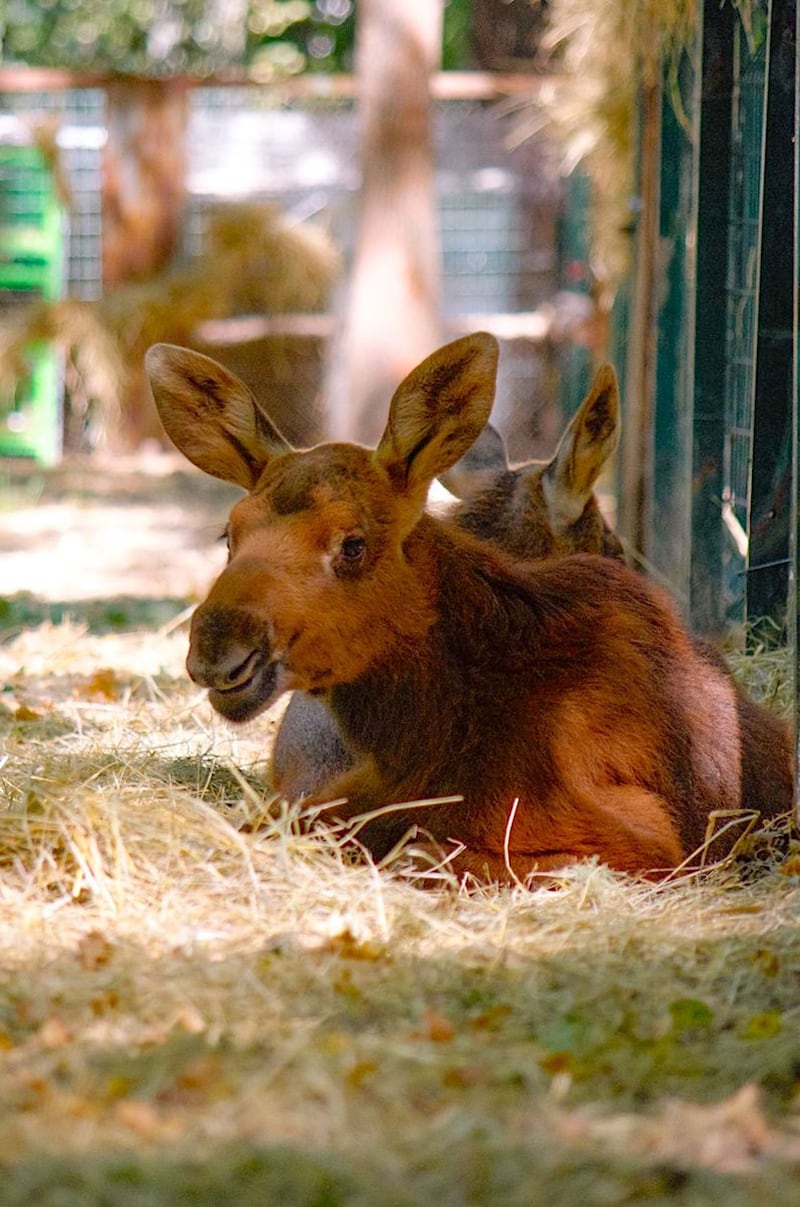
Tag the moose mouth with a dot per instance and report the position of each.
(247, 699)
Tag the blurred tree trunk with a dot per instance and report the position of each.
(144, 172)
(392, 315)
(144, 187)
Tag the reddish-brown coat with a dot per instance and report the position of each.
(563, 702)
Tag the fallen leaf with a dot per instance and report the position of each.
(54, 1033)
(103, 683)
(556, 1063)
(103, 1003)
(359, 1072)
(349, 947)
(489, 1019)
(199, 1080)
(437, 1028)
(762, 1026)
(790, 866)
(94, 950)
(462, 1077)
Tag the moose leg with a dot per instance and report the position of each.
(359, 794)
(633, 830)
(625, 827)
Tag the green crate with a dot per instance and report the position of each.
(31, 266)
(31, 224)
(30, 420)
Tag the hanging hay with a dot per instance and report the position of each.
(256, 263)
(601, 55)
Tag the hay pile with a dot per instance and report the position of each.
(255, 263)
(182, 976)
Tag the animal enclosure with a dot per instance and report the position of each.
(497, 210)
(202, 1000)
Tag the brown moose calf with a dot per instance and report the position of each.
(533, 511)
(564, 703)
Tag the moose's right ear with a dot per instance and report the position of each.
(586, 446)
(211, 416)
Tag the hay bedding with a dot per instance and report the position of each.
(191, 1010)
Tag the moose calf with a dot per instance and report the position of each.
(533, 511)
(563, 702)
(538, 510)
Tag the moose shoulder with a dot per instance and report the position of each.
(569, 688)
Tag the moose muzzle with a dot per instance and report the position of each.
(231, 655)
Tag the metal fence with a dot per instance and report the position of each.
(716, 502)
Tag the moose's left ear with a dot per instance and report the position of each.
(210, 415)
(437, 413)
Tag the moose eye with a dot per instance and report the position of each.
(353, 548)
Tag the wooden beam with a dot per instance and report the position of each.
(445, 85)
(533, 325)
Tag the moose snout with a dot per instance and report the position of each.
(225, 650)
(231, 655)
(232, 669)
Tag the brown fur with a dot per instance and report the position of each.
(569, 688)
(533, 511)
(544, 508)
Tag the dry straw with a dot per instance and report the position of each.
(602, 56)
(184, 970)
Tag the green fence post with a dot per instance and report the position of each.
(706, 604)
(669, 517)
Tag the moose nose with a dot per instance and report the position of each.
(225, 648)
(232, 668)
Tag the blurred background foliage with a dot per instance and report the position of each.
(160, 38)
(175, 37)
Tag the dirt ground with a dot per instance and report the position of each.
(140, 531)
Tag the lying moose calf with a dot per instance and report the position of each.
(563, 702)
(533, 511)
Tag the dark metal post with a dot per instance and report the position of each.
(706, 596)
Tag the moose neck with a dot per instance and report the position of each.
(433, 682)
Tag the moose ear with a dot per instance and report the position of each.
(211, 416)
(480, 467)
(586, 446)
(437, 413)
